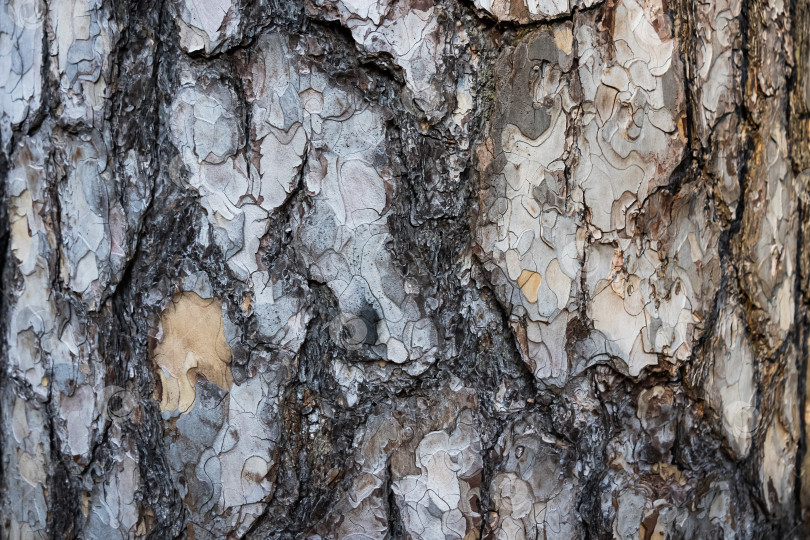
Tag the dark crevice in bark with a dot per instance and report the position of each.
(802, 323)
(799, 12)
(507, 26)
(6, 273)
(496, 352)
(305, 490)
(395, 525)
(588, 503)
(127, 344)
(750, 131)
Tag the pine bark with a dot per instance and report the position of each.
(422, 269)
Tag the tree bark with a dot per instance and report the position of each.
(404, 269)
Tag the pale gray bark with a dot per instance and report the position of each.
(404, 269)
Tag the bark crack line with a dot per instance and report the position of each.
(395, 524)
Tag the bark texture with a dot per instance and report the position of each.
(508, 269)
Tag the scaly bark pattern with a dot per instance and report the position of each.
(419, 269)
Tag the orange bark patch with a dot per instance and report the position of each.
(192, 345)
(529, 282)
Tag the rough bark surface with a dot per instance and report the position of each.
(508, 269)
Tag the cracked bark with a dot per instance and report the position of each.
(404, 269)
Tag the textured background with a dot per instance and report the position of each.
(511, 269)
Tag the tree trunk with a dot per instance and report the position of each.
(405, 269)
